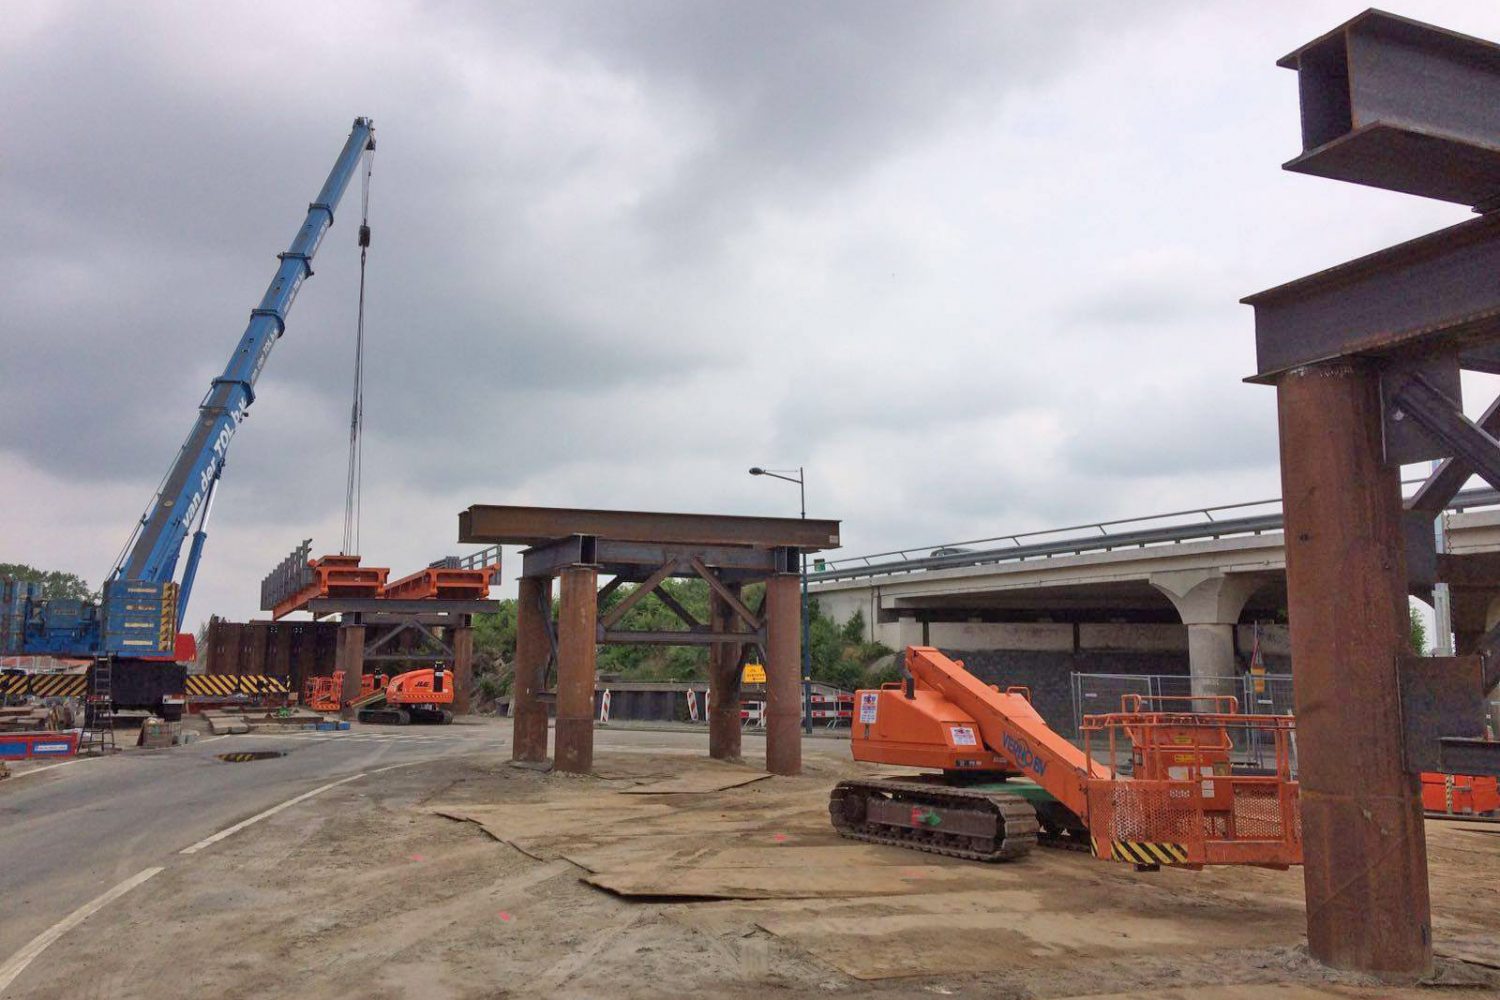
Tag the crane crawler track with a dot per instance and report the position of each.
(956, 822)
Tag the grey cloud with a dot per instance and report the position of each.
(624, 250)
(797, 99)
(1175, 426)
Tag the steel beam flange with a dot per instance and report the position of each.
(1397, 104)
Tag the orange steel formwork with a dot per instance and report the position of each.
(442, 584)
(334, 576)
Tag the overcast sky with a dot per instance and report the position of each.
(975, 265)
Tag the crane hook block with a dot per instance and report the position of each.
(364, 236)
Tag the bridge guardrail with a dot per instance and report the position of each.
(900, 561)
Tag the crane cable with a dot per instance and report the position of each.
(356, 412)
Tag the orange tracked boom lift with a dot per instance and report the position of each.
(415, 696)
(325, 693)
(1172, 793)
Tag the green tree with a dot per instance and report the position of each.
(55, 584)
(652, 614)
(495, 634)
(853, 630)
(839, 653)
(1418, 633)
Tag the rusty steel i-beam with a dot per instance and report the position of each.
(644, 550)
(1365, 358)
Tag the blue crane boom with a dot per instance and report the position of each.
(142, 608)
(185, 492)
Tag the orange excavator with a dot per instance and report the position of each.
(1156, 783)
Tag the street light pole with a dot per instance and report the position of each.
(801, 481)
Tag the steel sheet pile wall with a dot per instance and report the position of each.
(291, 650)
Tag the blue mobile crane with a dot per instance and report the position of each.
(135, 628)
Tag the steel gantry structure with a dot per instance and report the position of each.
(1366, 358)
(646, 549)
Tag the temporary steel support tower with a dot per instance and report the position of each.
(1365, 358)
(647, 549)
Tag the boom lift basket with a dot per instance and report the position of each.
(1198, 788)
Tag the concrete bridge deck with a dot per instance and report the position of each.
(1167, 592)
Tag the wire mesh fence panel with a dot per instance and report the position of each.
(1098, 694)
(1271, 694)
(1254, 694)
(1268, 694)
(1204, 692)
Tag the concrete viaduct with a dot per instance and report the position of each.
(1127, 588)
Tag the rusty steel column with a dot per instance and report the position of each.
(783, 674)
(577, 648)
(533, 649)
(724, 730)
(349, 656)
(1365, 871)
(461, 638)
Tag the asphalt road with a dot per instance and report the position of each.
(69, 834)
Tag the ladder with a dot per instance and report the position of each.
(98, 710)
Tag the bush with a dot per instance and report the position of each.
(492, 687)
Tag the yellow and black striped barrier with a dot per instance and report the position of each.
(228, 685)
(1145, 852)
(245, 755)
(44, 685)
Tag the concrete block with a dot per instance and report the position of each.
(224, 725)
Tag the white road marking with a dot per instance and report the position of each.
(49, 767)
(209, 841)
(236, 828)
(17, 963)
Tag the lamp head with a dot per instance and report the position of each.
(757, 471)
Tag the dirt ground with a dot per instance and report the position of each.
(473, 881)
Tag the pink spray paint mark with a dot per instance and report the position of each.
(418, 857)
(505, 916)
(779, 837)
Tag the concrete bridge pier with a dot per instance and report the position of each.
(1209, 603)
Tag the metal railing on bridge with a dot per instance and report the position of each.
(1095, 536)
